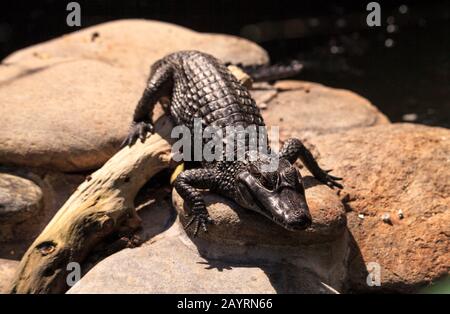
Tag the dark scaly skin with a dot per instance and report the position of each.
(200, 86)
(261, 73)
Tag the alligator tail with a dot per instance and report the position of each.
(269, 73)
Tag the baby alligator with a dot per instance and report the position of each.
(200, 86)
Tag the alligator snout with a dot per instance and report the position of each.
(298, 221)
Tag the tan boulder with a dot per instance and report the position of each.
(302, 109)
(70, 116)
(134, 44)
(67, 103)
(235, 225)
(171, 262)
(20, 200)
(397, 188)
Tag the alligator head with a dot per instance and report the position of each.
(275, 193)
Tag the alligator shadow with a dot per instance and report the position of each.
(357, 273)
(284, 273)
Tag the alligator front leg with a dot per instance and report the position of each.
(159, 84)
(293, 148)
(187, 184)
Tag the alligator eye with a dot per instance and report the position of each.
(291, 175)
(269, 180)
(254, 171)
(266, 183)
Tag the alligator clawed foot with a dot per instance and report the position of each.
(331, 180)
(138, 131)
(199, 220)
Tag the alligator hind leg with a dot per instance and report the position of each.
(187, 184)
(293, 148)
(159, 84)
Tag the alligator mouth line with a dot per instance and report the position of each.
(283, 224)
(260, 207)
(261, 210)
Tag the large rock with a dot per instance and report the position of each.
(390, 172)
(67, 103)
(302, 109)
(134, 45)
(69, 116)
(235, 225)
(172, 262)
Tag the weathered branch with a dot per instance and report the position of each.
(101, 205)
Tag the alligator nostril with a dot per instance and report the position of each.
(300, 222)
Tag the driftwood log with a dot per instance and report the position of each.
(100, 206)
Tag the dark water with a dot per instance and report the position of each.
(403, 66)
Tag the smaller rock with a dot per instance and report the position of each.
(386, 218)
(171, 262)
(20, 199)
(262, 106)
(303, 109)
(28, 201)
(410, 117)
(233, 224)
(400, 214)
